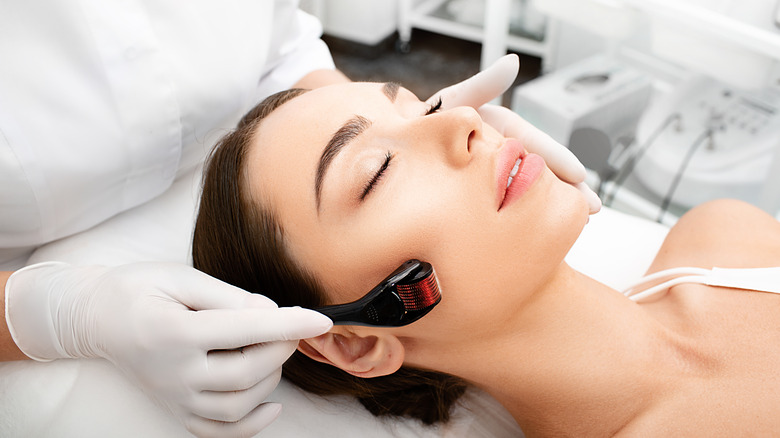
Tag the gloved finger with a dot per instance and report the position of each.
(482, 87)
(558, 158)
(249, 426)
(232, 406)
(200, 291)
(593, 200)
(223, 329)
(237, 370)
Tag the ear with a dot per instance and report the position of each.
(366, 355)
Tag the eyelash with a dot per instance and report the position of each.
(377, 176)
(389, 156)
(434, 108)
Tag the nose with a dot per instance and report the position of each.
(453, 133)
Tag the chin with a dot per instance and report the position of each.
(569, 213)
(578, 211)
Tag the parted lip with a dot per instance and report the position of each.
(505, 161)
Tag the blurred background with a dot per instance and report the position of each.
(364, 37)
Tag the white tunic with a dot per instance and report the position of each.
(102, 103)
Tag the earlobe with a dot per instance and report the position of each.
(362, 356)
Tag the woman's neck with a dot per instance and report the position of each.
(579, 360)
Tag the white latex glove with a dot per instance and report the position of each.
(208, 352)
(483, 87)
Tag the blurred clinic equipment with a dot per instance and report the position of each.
(670, 103)
(496, 24)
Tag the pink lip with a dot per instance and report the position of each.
(531, 168)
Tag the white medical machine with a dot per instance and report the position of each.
(711, 127)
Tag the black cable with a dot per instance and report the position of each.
(631, 162)
(669, 193)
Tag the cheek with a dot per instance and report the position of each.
(490, 272)
(410, 218)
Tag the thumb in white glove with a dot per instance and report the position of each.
(208, 352)
(481, 88)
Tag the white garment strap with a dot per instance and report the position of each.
(758, 279)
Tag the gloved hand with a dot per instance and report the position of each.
(481, 88)
(207, 351)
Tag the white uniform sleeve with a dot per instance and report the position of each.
(102, 104)
(296, 49)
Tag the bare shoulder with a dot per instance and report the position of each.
(735, 329)
(725, 233)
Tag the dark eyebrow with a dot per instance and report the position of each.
(351, 129)
(391, 90)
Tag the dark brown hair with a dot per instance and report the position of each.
(241, 242)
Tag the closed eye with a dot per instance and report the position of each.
(434, 108)
(377, 176)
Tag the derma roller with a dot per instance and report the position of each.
(402, 298)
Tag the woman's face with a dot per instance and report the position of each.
(362, 179)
